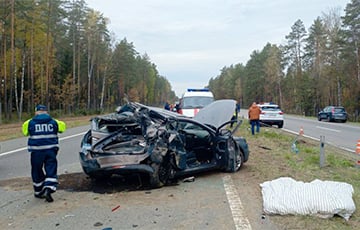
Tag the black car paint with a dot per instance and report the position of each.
(160, 143)
(333, 113)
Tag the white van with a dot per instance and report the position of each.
(193, 100)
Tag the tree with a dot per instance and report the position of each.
(294, 50)
(334, 76)
(77, 14)
(273, 74)
(255, 78)
(315, 59)
(351, 54)
(351, 24)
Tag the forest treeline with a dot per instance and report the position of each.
(61, 53)
(314, 68)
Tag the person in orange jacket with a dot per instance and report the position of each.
(254, 116)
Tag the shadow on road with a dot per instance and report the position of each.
(79, 182)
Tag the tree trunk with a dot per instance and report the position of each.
(22, 86)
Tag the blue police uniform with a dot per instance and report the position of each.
(43, 144)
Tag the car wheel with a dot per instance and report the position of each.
(235, 159)
(319, 118)
(280, 125)
(155, 181)
(163, 174)
(237, 163)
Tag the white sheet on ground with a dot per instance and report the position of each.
(321, 198)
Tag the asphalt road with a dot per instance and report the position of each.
(14, 157)
(212, 201)
(342, 135)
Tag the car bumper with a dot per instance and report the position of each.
(340, 118)
(114, 164)
(272, 122)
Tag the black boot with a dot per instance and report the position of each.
(47, 195)
(40, 196)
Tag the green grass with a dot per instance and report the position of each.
(271, 157)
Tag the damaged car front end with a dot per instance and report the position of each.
(162, 144)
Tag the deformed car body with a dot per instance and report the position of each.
(162, 144)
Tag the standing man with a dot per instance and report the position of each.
(254, 116)
(167, 106)
(236, 114)
(43, 144)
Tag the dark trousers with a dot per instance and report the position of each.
(234, 119)
(253, 124)
(44, 161)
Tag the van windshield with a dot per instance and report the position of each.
(195, 102)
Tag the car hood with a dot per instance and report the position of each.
(216, 113)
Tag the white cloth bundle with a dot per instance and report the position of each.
(321, 198)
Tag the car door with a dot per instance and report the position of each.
(324, 113)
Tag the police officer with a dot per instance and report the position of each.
(236, 114)
(43, 144)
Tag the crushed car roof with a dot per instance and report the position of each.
(208, 115)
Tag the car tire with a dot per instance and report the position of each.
(280, 125)
(235, 160)
(155, 181)
(236, 165)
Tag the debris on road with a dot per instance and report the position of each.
(189, 179)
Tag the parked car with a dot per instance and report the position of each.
(333, 113)
(162, 144)
(271, 114)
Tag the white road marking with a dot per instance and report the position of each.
(237, 210)
(318, 139)
(333, 130)
(25, 148)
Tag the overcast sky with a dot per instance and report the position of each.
(190, 41)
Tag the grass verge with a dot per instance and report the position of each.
(13, 130)
(272, 156)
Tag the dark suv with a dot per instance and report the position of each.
(333, 113)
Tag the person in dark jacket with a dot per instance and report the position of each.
(43, 144)
(167, 106)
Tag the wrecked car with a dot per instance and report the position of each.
(162, 144)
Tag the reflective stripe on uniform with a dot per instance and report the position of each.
(53, 188)
(43, 136)
(43, 147)
(48, 179)
(38, 184)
